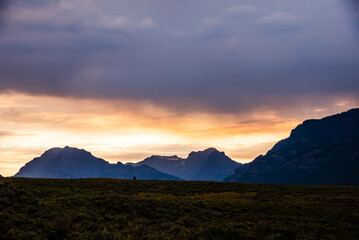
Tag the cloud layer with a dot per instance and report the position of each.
(204, 55)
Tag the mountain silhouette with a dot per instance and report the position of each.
(317, 152)
(76, 163)
(208, 165)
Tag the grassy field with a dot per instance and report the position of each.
(121, 209)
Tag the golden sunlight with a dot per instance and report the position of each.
(128, 131)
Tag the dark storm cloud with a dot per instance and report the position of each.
(210, 55)
(353, 6)
(3, 6)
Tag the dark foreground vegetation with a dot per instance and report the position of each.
(122, 209)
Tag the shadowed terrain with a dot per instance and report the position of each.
(77, 163)
(207, 165)
(317, 152)
(122, 209)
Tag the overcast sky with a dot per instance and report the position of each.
(227, 55)
(216, 71)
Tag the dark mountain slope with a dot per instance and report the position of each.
(318, 152)
(75, 163)
(168, 164)
(210, 165)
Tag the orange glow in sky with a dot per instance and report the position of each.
(131, 131)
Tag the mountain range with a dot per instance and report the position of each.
(210, 165)
(317, 152)
(207, 165)
(76, 163)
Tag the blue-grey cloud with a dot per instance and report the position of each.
(353, 7)
(198, 55)
(3, 5)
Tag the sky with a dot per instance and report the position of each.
(129, 79)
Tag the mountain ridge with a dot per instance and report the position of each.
(317, 152)
(210, 165)
(70, 162)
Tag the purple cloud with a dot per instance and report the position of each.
(192, 55)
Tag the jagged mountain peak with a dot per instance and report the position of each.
(209, 164)
(71, 162)
(66, 150)
(210, 150)
(172, 158)
(317, 152)
(205, 152)
(335, 129)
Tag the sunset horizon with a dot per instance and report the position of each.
(242, 137)
(182, 119)
(127, 81)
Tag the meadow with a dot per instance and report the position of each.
(124, 209)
